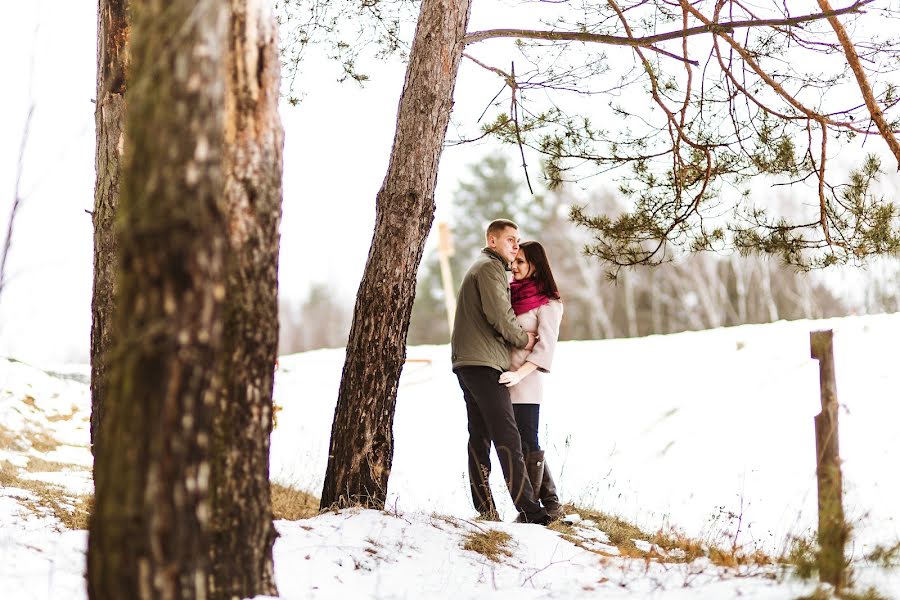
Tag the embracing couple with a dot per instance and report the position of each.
(504, 335)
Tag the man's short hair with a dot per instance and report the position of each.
(497, 226)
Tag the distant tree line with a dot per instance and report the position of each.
(320, 320)
(696, 291)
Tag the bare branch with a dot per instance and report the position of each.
(864, 87)
(506, 77)
(647, 41)
(514, 114)
(17, 199)
(823, 212)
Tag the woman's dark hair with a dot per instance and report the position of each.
(537, 258)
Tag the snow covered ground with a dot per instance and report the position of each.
(709, 432)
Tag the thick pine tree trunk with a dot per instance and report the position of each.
(242, 529)
(112, 37)
(362, 440)
(149, 531)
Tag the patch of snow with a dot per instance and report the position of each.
(685, 431)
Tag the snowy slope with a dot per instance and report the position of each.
(708, 432)
(681, 429)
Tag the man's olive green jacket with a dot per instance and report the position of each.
(485, 325)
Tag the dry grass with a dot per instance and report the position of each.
(666, 546)
(621, 534)
(276, 408)
(887, 557)
(81, 516)
(73, 410)
(491, 543)
(11, 440)
(292, 504)
(823, 594)
(72, 510)
(9, 474)
(40, 465)
(41, 440)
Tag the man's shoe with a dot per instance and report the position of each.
(539, 518)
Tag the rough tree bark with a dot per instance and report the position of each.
(362, 439)
(242, 530)
(112, 44)
(149, 533)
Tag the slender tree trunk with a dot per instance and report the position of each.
(112, 38)
(600, 321)
(630, 309)
(242, 532)
(362, 439)
(149, 531)
(771, 306)
(739, 266)
(655, 304)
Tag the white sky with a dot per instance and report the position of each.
(337, 145)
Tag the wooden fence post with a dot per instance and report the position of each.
(445, 251)
(832, 527)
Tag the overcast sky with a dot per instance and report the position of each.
(337, 145)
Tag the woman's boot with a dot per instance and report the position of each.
(534, 466)
(547, 493)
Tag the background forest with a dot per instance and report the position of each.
(691, 292)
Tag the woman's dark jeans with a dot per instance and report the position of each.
(527, 420)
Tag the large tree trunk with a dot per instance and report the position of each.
(112, 37)
(362, 439)
(242, 530)
(149, 531)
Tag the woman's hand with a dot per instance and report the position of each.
(510, 378)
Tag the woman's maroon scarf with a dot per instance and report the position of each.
(526, 296)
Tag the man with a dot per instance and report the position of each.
(484, 329)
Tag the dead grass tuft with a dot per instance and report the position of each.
(490, 543)
(276, 408)
(72, 510)
(824, 594)
(11, 440)
(292, 504)
(40, 465)
(80, 517)
(73, 410)
(868, 594)
(41, 440)
(885, 557)
(738, 557)
(674, 546)
(561, 527)
(9, 474)
(803, 556)
(621, 534)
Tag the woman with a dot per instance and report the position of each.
(539, 309)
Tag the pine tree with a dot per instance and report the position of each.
(149, 529)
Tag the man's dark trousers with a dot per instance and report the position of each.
(491, 420)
